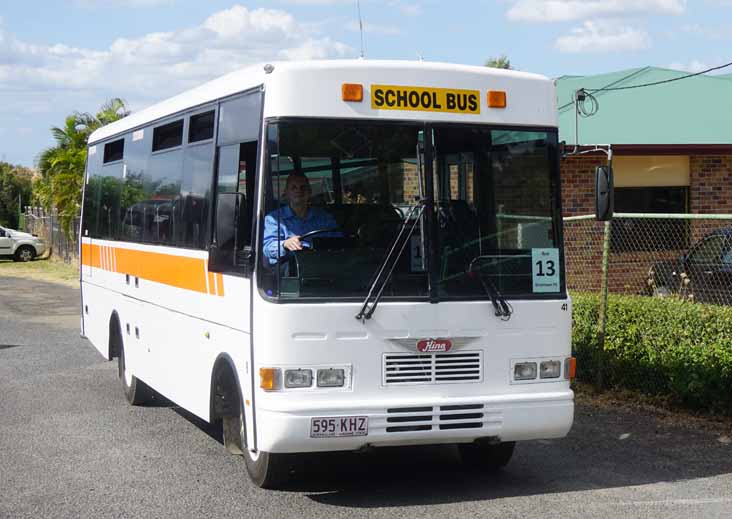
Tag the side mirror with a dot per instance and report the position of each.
(228, 251)
(604, 193)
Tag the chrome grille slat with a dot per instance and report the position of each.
(435, 368)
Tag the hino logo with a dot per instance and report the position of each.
(434, 345)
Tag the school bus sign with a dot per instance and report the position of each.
(393, 97)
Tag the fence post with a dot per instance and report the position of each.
(602, 324)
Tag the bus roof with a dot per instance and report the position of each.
(313, 89)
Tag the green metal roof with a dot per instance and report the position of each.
(696, 110)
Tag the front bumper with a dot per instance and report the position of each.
(417, 421)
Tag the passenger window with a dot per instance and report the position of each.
(168, 136)
(114, 151)
(201, 127)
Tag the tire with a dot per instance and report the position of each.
(268, 470)
(234, 433)
(662, 291)
(24, 253)
(136, 391)
(487, 456)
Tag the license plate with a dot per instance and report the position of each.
(335, 426)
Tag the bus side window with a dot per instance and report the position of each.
(239, 124)
(234, 201)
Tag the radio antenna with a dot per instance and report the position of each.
(360, 27)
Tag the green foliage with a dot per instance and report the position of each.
(62, 166)
(15, 182)
(659, 346)
(501, 61)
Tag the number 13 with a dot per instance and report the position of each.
(550, 271)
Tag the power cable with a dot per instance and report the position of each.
(605, 89)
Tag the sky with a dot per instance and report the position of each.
(61, 56)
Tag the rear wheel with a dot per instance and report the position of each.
(487, 456)
(24, 253)
(136, 391)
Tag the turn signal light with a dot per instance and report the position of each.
(496, 99)
(352, 92)
(570, 368)
(269, 379)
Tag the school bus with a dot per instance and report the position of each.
(335, 255)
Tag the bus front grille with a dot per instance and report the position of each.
(434, 368)
(446, 417)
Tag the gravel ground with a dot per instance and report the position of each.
(70, 446)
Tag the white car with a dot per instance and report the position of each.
(20, 246)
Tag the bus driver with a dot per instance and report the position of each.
(285, 225)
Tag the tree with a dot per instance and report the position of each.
(62, 166)
(15, 188)
(500, 62)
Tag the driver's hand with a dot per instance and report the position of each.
(292, 243)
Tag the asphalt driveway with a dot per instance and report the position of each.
(70, 446)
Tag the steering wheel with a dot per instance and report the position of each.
(320, 231)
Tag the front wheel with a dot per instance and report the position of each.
(487, 456)
(24, 253)
(268, 470)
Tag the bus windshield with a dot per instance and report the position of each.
(343, 190)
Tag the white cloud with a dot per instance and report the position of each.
(697, 65)
(692, 66)
(544, 11)
(371, 28)
(706, 32)
(160, 64)
(601, 37)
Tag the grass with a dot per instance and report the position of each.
(52, 270)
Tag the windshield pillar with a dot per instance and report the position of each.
(430, 221)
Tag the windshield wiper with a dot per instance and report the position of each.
(503, 308)
(391, 260)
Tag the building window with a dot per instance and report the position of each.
(168, 136)
(650, 234)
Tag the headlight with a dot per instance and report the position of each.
(524, 371)
(331, 377)
(298, 378)
(550, 369)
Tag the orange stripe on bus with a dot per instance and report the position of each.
(167, 269)
(211, 284)
(220, 284)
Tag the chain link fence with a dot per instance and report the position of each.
(47, 225)
(653, 304)
(687, 256)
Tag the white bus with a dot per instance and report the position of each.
(335, 255)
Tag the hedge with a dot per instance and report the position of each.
(659, 346)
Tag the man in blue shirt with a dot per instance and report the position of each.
(284, 226)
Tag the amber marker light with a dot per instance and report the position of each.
(496, 99)
(268, 378)
(570, 368)
(352, 92)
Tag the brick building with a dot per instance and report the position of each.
(672, 153)
(672, 142)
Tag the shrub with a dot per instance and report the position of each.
(659, 346)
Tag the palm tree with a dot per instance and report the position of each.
(62, 166)
(501, 61)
